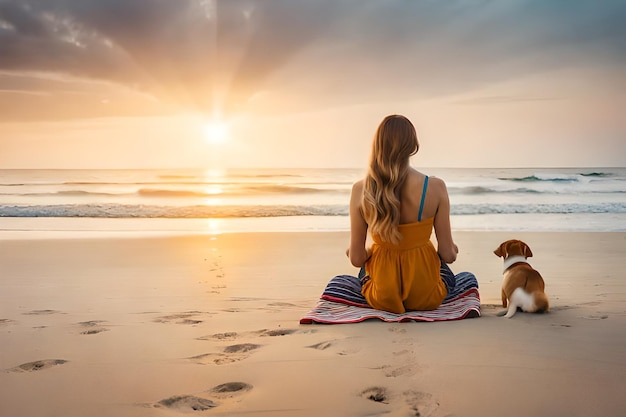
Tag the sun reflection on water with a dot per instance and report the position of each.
(214, 226)
(214, 187)
(214, 190)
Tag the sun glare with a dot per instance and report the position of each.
(216, 132)
(214, 190)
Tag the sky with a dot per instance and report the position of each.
(302, 83)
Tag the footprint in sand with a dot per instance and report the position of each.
(417, 403)
(396, 329)
(37, 365)
(218, 272)
(187, 317)
(258, 333)
(190, 403)
(409, 366)
(4, 322)
(185, 403)
(229, 389)
(237, 352)
(217, 267)
(328, 344)
(322, 345)
(41, 312)
(420, 403)
(241, 348)
(220, 336)
(276, 332)
(233, 353)
(92, 327)
(376, 394)
(393, 372)
(216, 289)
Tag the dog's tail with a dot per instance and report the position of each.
(511, 311)
(536, 302)
(542, 305)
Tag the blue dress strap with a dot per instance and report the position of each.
(419, 215)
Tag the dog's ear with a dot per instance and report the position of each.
(500, 252)
(526, 250)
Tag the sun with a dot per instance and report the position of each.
(216, 132)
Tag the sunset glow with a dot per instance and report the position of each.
(216, 132)
(166, 85)
(214, 190)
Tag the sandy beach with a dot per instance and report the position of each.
(209, 325)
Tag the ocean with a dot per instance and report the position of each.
(46, 203)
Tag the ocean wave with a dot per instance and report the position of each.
(202, 192)
(236, 175)
(67, 193)
(554, 189)
(150, 192)
(565, 208)
(552, 183)
(242, 211)
(72, 193)
(477, 189)
(230, 191)
(560, 177)
(148, 211)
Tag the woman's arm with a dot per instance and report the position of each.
(358, 228)
(447, 249)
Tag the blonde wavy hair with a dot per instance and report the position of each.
(394, 143)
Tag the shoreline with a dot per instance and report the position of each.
(150, 326)
(86, 227)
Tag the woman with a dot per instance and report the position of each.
(400, 206)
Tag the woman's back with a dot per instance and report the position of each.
(405, 274)
(411, 197)
(436, 206)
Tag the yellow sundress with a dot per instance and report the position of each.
(405, 276)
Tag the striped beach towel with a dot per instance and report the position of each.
(342, 302)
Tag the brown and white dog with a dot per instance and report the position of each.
(523, 286)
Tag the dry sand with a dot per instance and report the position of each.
(208, 325)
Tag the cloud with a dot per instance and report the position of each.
(191, 55)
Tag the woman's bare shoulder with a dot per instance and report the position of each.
(437, 182)
(358, 185)
(437, 187)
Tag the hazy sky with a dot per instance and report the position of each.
(290, 83)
